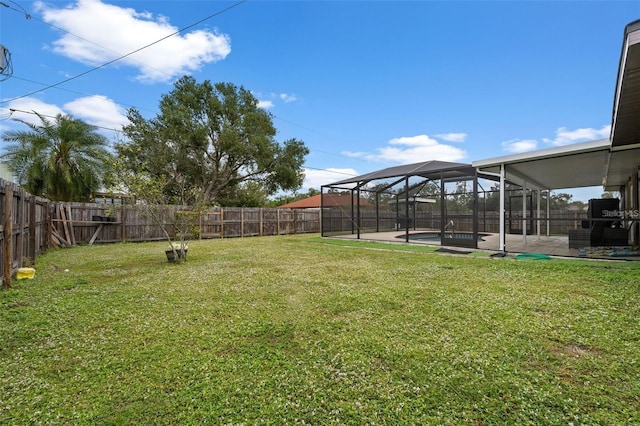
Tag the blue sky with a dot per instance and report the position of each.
(365, 84)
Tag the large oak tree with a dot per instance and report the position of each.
(210, 140)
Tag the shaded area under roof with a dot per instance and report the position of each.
(626, 107)
(625, 127)
(570, 166)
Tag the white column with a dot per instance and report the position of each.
(502, 244)
(548, 213)
(538, 213)
(524, 213)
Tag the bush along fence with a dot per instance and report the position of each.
(31, 225)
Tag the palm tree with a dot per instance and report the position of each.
(63, 160)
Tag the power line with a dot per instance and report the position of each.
(330, 171)
(47, 86)
(12, 110)
(28, 16)
(82, 93)
(155, 112)
(128, 54)
(22, 11)
(7, 116)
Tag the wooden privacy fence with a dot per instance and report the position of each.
(24, 231)
(31, 225)
(80, 223)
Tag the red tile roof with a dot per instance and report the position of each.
(330, 200)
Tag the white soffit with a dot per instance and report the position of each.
(625, 132)
(570, 166)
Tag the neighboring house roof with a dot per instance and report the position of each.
(330, 200)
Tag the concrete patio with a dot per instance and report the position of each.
(552, 245)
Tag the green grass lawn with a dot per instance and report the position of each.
(304, 330)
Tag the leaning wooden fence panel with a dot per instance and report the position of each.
(24, 231)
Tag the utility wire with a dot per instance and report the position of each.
(128, 54)
(83, 94)
(28, 16)
(12, 110)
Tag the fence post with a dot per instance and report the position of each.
(33, 249)
(21, 218)
(277, 221)
(123, 218)
(221, 222)
(48, 223)
(8, 236)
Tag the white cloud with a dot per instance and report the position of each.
(316, 178)
(515, 146)
(114, 31)
(354, 154)
(565, 136)
(98, 111)
(265, 104)
(412, 149)
(287, 97)
(452, 137)
(95, 110)
(268, 100)
(32, 105)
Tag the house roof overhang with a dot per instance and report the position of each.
(570, 166)
(607, 162)
(624, 159)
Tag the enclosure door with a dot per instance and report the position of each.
(459, 210)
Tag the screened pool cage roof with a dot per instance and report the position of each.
(433, 170)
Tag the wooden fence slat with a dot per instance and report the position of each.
(60, 239)
(32, 249)
(8, 237)
(95, 234)
(72, 236)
